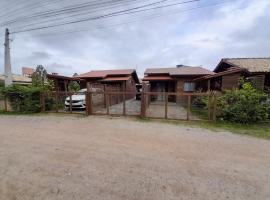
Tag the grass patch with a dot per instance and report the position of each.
(260, 130)
(201, 113)
(42, 114)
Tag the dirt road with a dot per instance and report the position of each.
(48, 157)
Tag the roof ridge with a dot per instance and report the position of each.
(248, 58)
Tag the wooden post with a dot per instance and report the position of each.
(124, 100)
(104, 96)
(143, 101)
(57, 102)
(166, 105)
(57, 96)
(88, 100)
(66, 88)
(188, 107)
(215, 108)
(70, 103)
(107, 103)
(209, 106)
(209, 85)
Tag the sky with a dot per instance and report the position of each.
(216, 29)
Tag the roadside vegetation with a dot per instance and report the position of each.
(260, 130)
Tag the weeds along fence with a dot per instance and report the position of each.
(161, 105)
(3, 103)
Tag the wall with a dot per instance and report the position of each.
(180, 89)
(230, 81)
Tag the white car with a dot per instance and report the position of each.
(78, 100)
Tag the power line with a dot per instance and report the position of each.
(140, 20)
(102, 8)
(67, 9)
(127, 13)
(123, 12)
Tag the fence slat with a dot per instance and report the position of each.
(124, 104)
(166, 105)
(215, 108)
(70, 103)
(188, 108)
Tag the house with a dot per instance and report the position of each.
(120, 80)
(229, 71)
(17, 79)
(176, 80)
(27, 71)
(112, 81)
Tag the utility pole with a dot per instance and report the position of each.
(8, 75)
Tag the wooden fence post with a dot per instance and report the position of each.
(57, 101)
(166, 105)
(88, 100)
(189, 107)
(90, 109)
(215, 108)
(143, 101)
(124, 103)
(107, 103)
(209, 106)
(70, 103)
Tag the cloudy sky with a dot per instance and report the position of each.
(195, 33)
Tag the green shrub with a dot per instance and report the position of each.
(200, 101)
(25, 99)
(246, 105)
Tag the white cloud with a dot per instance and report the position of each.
(201, 37)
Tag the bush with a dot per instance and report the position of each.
(25, 99)
(201, 101)
(246, 105)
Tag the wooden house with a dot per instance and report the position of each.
(176, 80)
(229, 71)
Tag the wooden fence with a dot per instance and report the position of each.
(182, 110)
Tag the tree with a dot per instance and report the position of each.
(39, 77)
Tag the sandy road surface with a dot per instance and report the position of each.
(48, 157)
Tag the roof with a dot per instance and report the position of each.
(27, 70)
(249, 64)
(17, 78)
(232, 70)
(54, 76)
(105, 73)
(116, 79)
(180, 71)
(157, 78)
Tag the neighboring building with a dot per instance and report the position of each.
(61, 82)
(230, 70)
(27, 71)
(176, 80)
(125, 79)
(17, 79)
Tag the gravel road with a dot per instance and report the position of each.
(99, 158)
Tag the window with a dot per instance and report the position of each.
(189, 87)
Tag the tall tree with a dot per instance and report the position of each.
(39, 77)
